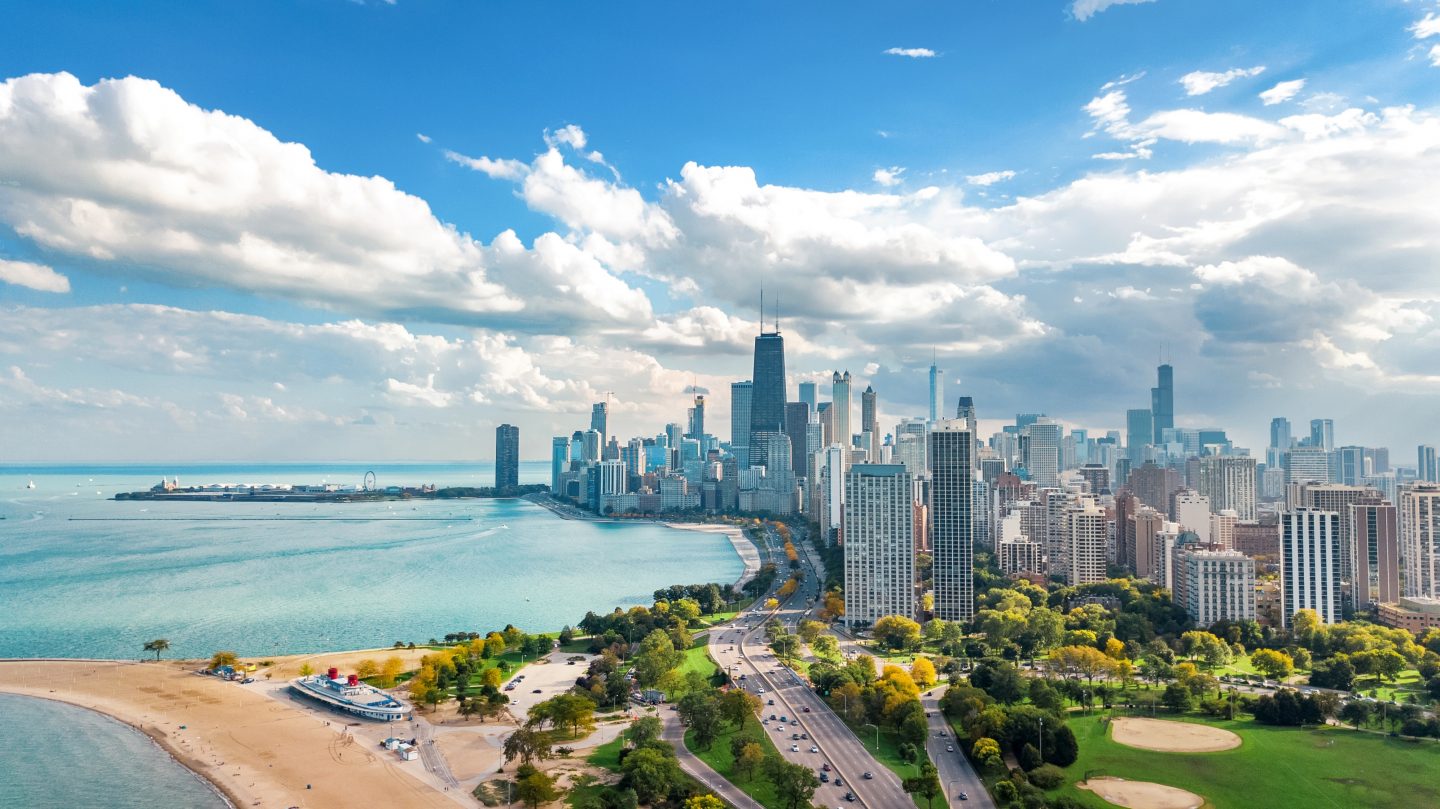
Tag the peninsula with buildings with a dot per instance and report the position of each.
(169, 489)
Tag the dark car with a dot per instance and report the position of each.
(850, 796)
(869, 776)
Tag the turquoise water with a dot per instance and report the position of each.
(61, 756)
(85, 576)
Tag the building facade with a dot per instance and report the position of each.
(879, 544)
(507, 456)
(1310, 564)
(952, 527)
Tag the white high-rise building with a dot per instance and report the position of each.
(1192, 510)
(952, 523)
(1222, 528)
(832, 492)
(1310, 564)
(1229, 482)
(1307, 465)
(1420, 539)
(1086, 534)
(1216, 586)
(1042, 458)
(840, 408)
(879, 543)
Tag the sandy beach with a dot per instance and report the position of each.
(749, 554)
(257, 750)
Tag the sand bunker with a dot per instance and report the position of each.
(1142, 794)
(1172, 737)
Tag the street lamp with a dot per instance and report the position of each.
(1040, 737)
(877, 735)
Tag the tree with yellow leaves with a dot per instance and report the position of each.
(923, 672)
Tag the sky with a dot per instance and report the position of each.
(331, 230)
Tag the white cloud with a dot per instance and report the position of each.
(989, 177)
(1085, 9)
(888, 177)
(1200, 82)
(1282, 92)
(1435, 55)
(913, 53)
(1195, 126)
(1427, 27)
(499, 169)
(422, 137)
(33, 276)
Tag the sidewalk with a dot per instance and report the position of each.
(690, 763)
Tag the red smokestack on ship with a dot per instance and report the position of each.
(334, 673)
(354, 680)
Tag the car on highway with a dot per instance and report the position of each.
(963, 796)
(794, 748)
(825, 767)
(769, 702)
(850, 796)
(949, 748)
(839, 782)
(814, 749)
(869, 776)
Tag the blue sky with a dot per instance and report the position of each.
(1037, 190)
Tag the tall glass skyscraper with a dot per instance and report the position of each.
(952, 529)
(507, 456)
(807, 395)
(937, 393)
(767, 397)
(740, 393)
(1162, 403)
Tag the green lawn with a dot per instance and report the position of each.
(1274, 768)
(698, 659)
(1408, 682)
(720, 760)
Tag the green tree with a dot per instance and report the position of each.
(826, 647)
(643, 731)
(1274, 665)
(535, 789)
(651, 772)
(656, 656)
(701, 714)
(795, 784)
(223, 659)
(737, 705)
(750, 760)
(157, 646)
(926, 784)
(1177, 697)
(704, 802)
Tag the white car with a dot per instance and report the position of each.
(794, 748)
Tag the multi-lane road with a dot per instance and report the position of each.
(740, 648)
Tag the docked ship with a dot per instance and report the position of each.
(351, 696)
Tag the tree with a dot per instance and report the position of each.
(306, 669)
(826, 647)
(704, 802)
(751, 758)
(367, 668)
(809, 631)
(1030, 757)
(656, 656)
(986, 753)
(922, 671)
(897, 631)
(157, 646)
(527, 744)
(651, 772)
(1177, 697)
(1000, 680)
(1274, 665)
(701, 714)
(536, 788)
(390, 671)
(644, 730)
(926, 784)
(1062, 748)
(795, 784)
(907, 752)
(223, 659)
(738, 705)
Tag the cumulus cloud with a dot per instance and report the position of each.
(1200, 82)
(1282, 92)
(989, 178)
(33, 276)
(913, 53)
(1085, 9)
(888, 177)
(1427, 27)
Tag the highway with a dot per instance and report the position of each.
(740, 648)
(957, 776)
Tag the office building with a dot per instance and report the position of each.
(952, 537)
(1351, 465)
(1307, 465)
(797, 428)
(1322, 434)
(507, 456)
(879, 544)
(1154, 485)
(1222, 529)
(1338, 498)
(1192, 510)
(1280, 433)
(740, 394)
(937, 393)
(807, 395)
(1042, 456)
(1229, 482)
(840, 408)
(1425, 466)
(1162, 403)
(1310, 564)
(1139, 432)
(767, 393)
(1420, 539)
(1375, 532)
(965, 412)
(1215, 586)
(870, 423)
(832, 491)
(696, 426)
(600, 421)
(559, 461)
(1096, 477)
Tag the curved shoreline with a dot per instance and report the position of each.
(155, 736)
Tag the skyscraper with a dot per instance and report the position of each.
(1162, 403)
(1310, 564)
(1139, 431)
(740, 393)
(559, 461)
(767, 398)
(1280, 433)
(840, 408)
(965, 411)
(1042, 459)
(870, 423)
(952, 527)
(507, 456)
(1322, 434)
(1374, 528)
(1229, 482)
(879, 543)
(599, 421)
(1420, 539)
(937, 392)
(1085, 532)
(1425, 467)
(1352, 465)
(797, 424)
(697, 419)
(807, 395)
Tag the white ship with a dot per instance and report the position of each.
(351, 696)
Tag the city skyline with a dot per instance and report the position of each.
(292, 281)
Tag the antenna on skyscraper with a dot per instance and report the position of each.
(762, 308)
(777, 312)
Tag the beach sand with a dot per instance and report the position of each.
(749, 554)
(258, 750)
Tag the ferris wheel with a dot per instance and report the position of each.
(369, 481)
